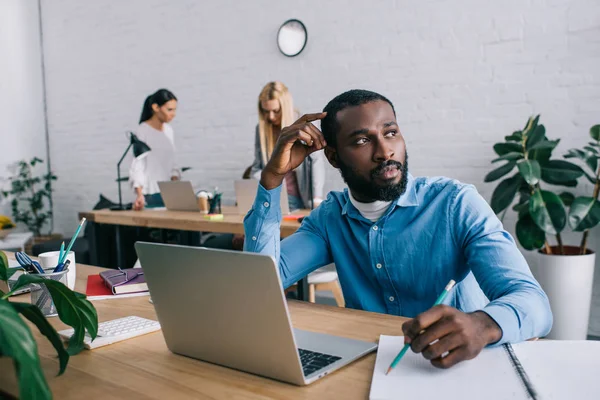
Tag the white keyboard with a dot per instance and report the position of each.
(115, 331)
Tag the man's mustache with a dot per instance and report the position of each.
(388, 163)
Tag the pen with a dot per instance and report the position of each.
(439, 300)
(72, 241)
(62, 251)
(62, 266)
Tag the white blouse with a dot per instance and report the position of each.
(159, 164)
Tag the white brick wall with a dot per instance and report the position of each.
(462, 74)
(21, 95)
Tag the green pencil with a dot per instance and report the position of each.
(66, 253)
(439, 300)
(60, 254)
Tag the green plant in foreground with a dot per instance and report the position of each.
(17, 341)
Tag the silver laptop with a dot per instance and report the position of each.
(228, 308)
(178, 196)
(245, 193)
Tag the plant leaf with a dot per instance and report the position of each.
(530, 170)
(500, 172)
(595, 132)
(72, 310)
(591, 160)
(17, 342)
(584, 214)
(591, 179)
(560, 172)
(545, 144)
(509, 156)
(538, 135)
(529, 234)
(32, 313)
(567, 198)
(4, 270)
(516, 136)
(505, 148)
(548, 211)
(505, 192)
(522, 209)
(591, 149)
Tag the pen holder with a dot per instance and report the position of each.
(215, 204)
(40, 295)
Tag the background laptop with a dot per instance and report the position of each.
(178, 196)
(245, 193)
(228, 308)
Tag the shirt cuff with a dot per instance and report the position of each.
(268, 202)
(506, 319)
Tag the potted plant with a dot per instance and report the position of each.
(30, 197)
(17, 341)
(565, 272)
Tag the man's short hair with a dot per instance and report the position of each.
(351, 98)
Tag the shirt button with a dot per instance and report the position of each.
(391, 298)
(378, 266)
(253, 237)
(375, 228)
(266, 204)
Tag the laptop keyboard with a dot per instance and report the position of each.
(313, 361)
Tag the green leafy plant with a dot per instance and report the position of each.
(543, 213)
(585, 211)
(17, 341)
(30, 196)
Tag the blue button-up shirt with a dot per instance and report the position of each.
(439, 229)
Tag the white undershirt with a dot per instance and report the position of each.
(159, 165)
(371, 211)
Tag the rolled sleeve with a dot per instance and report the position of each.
(261, 224)
(518, 304)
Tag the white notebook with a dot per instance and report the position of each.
(550, 370)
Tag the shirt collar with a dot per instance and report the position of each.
(407, 199)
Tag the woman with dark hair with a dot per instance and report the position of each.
(159, 164)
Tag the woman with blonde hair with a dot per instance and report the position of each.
(276, 111)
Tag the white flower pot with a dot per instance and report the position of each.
(567, 280)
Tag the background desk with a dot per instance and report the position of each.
(143, 367)
(233, 222)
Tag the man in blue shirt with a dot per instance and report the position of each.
(397, 240)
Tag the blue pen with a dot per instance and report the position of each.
(62, 266)
(439, 300)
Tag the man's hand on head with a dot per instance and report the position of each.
(462, 336)
(290, 152)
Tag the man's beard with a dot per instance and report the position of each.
(370, 189)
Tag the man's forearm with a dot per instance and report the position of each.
(270, 180)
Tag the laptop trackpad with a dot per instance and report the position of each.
(332, 345)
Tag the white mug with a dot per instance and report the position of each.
(49, 259)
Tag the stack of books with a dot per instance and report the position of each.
(117, 284)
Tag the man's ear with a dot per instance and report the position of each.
(332, 156)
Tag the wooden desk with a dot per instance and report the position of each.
(233, 222)
(143, 367)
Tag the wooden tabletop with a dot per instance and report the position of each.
(143, 367)
(232, 222)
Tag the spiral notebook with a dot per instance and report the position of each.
(540, 370)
